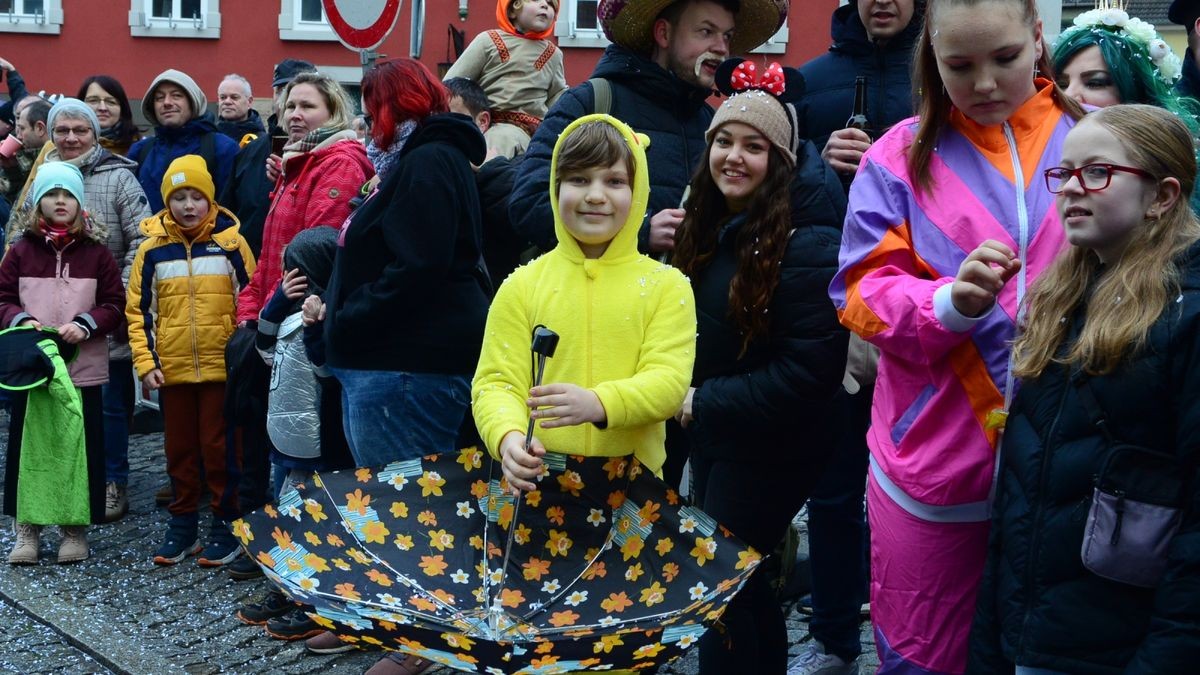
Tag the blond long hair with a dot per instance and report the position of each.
(929, 90)
(341, 108)
(1129, 297)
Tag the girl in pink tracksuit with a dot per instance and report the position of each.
(949, 221)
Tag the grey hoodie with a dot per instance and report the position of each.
(178, 77)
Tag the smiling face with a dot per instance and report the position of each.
(188, 207)
(234, 100)
(72, 137)
(172, 105)
(697, 43)
(59, 207)
(593, 204)
(105, 105)
(1086, 79)
(884, 19)
(1102, 220)
(305, 111)
(738, 162)
(985, 56)
(534, 16)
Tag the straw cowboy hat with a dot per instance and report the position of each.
(630, 23)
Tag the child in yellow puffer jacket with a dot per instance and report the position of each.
(181, 306)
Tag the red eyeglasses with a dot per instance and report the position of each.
(1092, 177)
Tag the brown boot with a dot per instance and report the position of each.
(164, 495)
(25, 550)
(74, 545)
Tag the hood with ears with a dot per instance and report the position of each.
(623, 245)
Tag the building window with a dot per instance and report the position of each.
(31, 16)
(304, 20)
(175, 18)
(578, 27)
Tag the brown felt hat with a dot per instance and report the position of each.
(630, 23)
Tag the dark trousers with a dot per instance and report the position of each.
(254, 488)
(194, 434)
(756, 501)
(837, 538)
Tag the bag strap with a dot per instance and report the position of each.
(601, 95)
(1091, 404)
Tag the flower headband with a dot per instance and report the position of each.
(1110, 16)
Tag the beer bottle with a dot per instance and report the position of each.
(858, 118)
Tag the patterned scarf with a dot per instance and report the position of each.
(311, 140)
(57, 235)
(384, 160)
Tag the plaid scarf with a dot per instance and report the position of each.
(383, 159)
(311, 140)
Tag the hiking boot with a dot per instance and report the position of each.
(164, 495)
(116, 502)
(814, 661)
(244, 568)
(274, 604)
(221, 548)
(180, 542)
(25, 550)
(74, 546)
(326, 643)
(294, 625)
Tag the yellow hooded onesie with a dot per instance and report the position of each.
(627, 327)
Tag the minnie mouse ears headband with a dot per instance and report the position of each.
(761, 98)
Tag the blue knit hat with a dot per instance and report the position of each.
(77, 109)
(54, 175)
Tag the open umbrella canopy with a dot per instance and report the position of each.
(609, 568)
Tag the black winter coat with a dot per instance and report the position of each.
(828, 97)
(780, 394)
(648, 98)
(1038, 605)
(253, 124)
(248, 194)
(408, 292)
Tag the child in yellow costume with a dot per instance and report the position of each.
(627, 324)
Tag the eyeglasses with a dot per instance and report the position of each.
(97, 100)
(1091, 177)
(79, 132)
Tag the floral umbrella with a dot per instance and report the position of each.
(609, 569)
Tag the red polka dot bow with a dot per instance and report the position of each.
(746, 76)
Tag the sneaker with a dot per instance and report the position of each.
(814, 661)
(164, 495)
(180, 542)
(221, 547)
(25, 549)
(294, 625)
(116, 502)
(74, 545)
(274, 604)
(327, 643)
(244, 568)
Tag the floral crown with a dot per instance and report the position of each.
(1110, 16)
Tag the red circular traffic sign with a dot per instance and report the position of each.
(362, 24)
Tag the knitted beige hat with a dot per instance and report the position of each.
(762, 111)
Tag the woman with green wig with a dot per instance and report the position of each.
(1108, 57)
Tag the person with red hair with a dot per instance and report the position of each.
(406, 305)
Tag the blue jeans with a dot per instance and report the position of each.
(118, 404)
(393, 415)
(837, 538)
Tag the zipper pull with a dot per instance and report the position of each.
(1120, 509)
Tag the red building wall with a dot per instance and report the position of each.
(95, 38)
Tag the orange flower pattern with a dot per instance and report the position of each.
(394, 557)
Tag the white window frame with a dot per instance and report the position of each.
(291, 27)
(48, 22)
(593, 38)
(143, 24)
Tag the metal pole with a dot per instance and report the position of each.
(367, 58)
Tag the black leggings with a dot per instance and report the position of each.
(756, 501)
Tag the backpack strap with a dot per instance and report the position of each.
(147, 149)
(601, 95)
(208, 150)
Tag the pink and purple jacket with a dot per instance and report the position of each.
(941, 374)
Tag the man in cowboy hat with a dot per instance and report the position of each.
(1186, 13)
(658, 74)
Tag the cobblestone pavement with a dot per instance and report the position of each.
(119, 612)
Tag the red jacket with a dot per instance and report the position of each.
(80, 283)
(314, 189)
